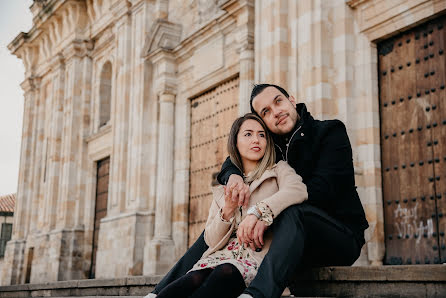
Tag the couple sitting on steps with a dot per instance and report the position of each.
(288, 201)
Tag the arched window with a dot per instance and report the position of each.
(105, 92)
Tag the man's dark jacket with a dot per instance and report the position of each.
(321, 154)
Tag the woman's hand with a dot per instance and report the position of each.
(229, 207)
(238, 190)
(258, 232)
(245, 231)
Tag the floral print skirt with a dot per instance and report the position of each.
(233, 253)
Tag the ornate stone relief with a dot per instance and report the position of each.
(164, 35)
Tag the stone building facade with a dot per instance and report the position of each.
(116, 93)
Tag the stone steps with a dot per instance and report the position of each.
(385, 281)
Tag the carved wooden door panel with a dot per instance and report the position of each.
(103, 170)
(212, 114)
(413, 129)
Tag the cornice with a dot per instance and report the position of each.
(355, 3)
(58, 61)
(77, 48)
(30, 84)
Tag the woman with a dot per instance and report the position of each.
(228, 266)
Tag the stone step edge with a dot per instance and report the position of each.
(402, 273)
(388, 273)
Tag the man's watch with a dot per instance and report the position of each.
(254, 211)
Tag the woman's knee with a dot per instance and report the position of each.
(226, 270)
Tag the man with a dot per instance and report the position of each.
(326, 230)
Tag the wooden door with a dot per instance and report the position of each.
(103, 169)
(413, 129)
(212, 114)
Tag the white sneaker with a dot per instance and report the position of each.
(287, 292)
(150, 295)
(245, 296)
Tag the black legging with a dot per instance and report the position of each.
(225, 281)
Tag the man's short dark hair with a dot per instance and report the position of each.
(258, 88)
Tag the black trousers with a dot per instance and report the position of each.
(303, 236)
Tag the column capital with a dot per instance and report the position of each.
(58, 61)
(31, 83)
(167, 95)
(78, 48)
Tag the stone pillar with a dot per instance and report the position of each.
(120, 118)
(247, 65)
(162, 248)
(163, 224)
(125, 220)
(272, 43)
(72, 136)
(24, 183)
(65, 239)
(12, 267)
(54, 142)
(32, 186)
(161, 252)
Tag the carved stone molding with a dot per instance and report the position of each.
(163, 35)
(355, 3)
(57, 61)
(78, 48)
(30, 84)
(379, 19)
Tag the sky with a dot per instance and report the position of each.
(15, 17)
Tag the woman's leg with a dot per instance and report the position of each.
(185, 264)
(225, 281)
(185, 285)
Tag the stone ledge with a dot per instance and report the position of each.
(382, 281)
(419, 273)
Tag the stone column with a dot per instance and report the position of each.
(72, 136)
(33, 181)
(14, 252)
(54, 142)
(161, 253)
(246, 79)
(23, 192)
(162, 248)
(247, 65)
(163, 224)
(123, 220)
(65, 239)
(120, 118)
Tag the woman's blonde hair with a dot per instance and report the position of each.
(268, 159)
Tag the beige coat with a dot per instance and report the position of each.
(279, 187)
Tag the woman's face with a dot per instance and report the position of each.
(251, 141)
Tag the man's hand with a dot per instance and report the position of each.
(245, 231)
(238, 190)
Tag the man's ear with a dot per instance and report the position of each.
(292, 100)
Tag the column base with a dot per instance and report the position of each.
(12, 267)
(159, 257)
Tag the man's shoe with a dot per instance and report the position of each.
(150, 295)
(245, 296)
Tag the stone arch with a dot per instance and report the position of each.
(105, 94)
